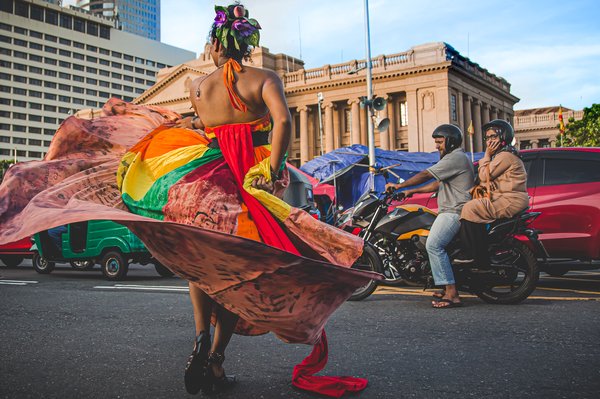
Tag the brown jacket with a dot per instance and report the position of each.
(508, 185)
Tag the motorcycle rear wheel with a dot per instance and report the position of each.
(522, 284)
(370, 261)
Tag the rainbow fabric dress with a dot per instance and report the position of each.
(190, 201)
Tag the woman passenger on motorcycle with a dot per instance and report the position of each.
(502, 173)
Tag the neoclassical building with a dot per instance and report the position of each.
(426, 86)
(538, 127)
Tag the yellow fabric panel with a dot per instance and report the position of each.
(141, 175)
(276, 206)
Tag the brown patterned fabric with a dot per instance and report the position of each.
(270, 289)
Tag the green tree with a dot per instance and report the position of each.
(584, 132)
(4, 164)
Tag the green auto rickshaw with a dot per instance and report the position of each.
(83, 244)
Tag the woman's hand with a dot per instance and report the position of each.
(492, 148)
(185, 123)
(261, 183)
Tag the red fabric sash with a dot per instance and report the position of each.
(303, 377)
(235, 142)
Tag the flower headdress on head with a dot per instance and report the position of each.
(237, 25)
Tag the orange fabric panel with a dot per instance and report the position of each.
(164, 139)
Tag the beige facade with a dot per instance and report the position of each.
(55, 61)
(424, 87)
(538, 127)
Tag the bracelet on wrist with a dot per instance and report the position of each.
(274, 176)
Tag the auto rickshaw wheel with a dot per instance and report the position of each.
(114, 266)
(41, 264)
(11, 261)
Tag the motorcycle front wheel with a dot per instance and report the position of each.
(515, 274)
(369, 261)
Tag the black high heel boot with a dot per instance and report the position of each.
(214, 383)
(195, 370)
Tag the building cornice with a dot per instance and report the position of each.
(165, 82)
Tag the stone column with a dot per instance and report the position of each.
(329, 135)
(414, 141)
(494, 113)
(384, 137)
(468, 119)
(304, 144)
(477, 139)
(485, 117)
(337, 133)
(355, 132)
(501, 115)
(391, 114)
(364, 139)
(460, 112)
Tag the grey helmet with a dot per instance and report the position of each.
(451, 133)
(503, 129)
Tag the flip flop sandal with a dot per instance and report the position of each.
(438, 295)
(450, 304)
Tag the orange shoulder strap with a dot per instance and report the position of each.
(229, 80)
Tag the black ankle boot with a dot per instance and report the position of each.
(214, 383)
(196, 367)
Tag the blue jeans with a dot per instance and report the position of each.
(443, 230)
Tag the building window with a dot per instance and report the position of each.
(35, 154)
(20, 91)
(64, 75)
(51, 38)
(66, 21)
(92, 28)
(49, 119)
(18, 140)
(36, 58)
(19, 67)
(34, 105)
(50, 61)
(23, 43)
(50, 108)
(51, 17)
(33, 69)
(22, 9)
(50, 49)
(453, 112)
(65, 64)
(49, 96)
(64, 87)
(37, 13)
(49, 72)
(19, 103)
(543, 143)
(79, 25)
(19, 115)
(35, 142)
(103, 72)
(525, 145)
(20, 79)
(78, 45)
(34, 118)
(403, 113)
(32, 45)
(4, 139)
(36, 130)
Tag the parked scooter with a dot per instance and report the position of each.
(399, 238)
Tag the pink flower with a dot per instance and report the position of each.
(244, 27)
(220, 18)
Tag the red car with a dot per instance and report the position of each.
(564, 185)
(12, 254)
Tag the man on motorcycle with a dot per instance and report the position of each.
(454, 177)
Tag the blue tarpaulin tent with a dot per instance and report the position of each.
(347, 168)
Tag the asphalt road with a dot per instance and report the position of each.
(73, 334)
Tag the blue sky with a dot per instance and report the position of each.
(548, 50)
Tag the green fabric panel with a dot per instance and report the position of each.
(157, 196)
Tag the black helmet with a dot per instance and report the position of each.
(502, 128)
(451, 133)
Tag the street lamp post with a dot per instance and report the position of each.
(369, 102)
(319, 103)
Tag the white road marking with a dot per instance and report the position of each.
(167, 288)
(17, 282)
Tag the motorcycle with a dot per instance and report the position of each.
(399, 239)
